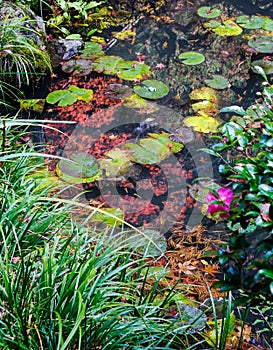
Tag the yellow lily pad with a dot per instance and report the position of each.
(204, 93)
(227, 28)
(206, 107)
(204, 124)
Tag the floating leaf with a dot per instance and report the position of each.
(141, 155)
(227, 28)
(204, 93)
(106, 64)
(191, 58)
(69, 96)
(253, 22)
(73, 37)
(131, 70)
(217, 82)
(263, 44)
(152, 89)
(166, 140)
(118, 91)
(204, 124)
(116, 163)
(64, 97)
(266, 65)
(205, 107)
(268, 24)
(91, 48)
(109, 219)
(79, 66)
(80, 167)
(85, 95)
(36, 105)
(135, 101)
(199, 190)
(208, 12)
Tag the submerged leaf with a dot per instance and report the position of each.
(191, 58)
(80, 167)
(217, 82)
(266, 65)
(263, 44)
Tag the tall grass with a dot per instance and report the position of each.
(65, 286)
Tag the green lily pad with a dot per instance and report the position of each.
(69, 96)
(135, 101)
(107, 219)
(212, 24)
(268, 24)
(263, 44)
(131, 70)
(166, 140)
(91, 48)
(208, 12)
(63, 97)
(253, 22)
(204, 124)
(217, 82)
(227, 28)
(152, 89)
(80, 167)
(116, 163)
(106, 64)
(191, 58)
(266, 65)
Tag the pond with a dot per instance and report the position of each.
(140, 159)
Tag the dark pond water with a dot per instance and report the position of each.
(159, 196)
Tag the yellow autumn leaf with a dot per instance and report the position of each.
(204, 124)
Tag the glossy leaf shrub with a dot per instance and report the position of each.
(245, 149)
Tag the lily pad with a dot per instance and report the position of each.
(204, 93)
(165, 139)
(268, 24)
(106, 64)
(204, 124)
(91, 48)
(208, 12)
(118, 91)
(227, 28)
(152, 89)
(79, 66)
(135, 101)
(116, 163)
(263, 44)
(69, 96)
(191, 58)
(131, 70)
(80, 167)
(205, 107)
(253, 22)
(266, 65)
(217, 82)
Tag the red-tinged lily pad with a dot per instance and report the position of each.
(118, 91)
(204, 124)
(208, 12)
(263, 44)
(226, 28)
(191, 58)
(152, 89)
(80, 167)
(69, 96)
(253, 22)
(217, 82)
(79, 66)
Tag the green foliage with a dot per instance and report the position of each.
(217, 82)
(208, 12)
(191, 58)
(152, 89)
(69, 96)
(262, 44)
(245, 148)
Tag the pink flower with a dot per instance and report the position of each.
(224, 199)
(160, 66)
